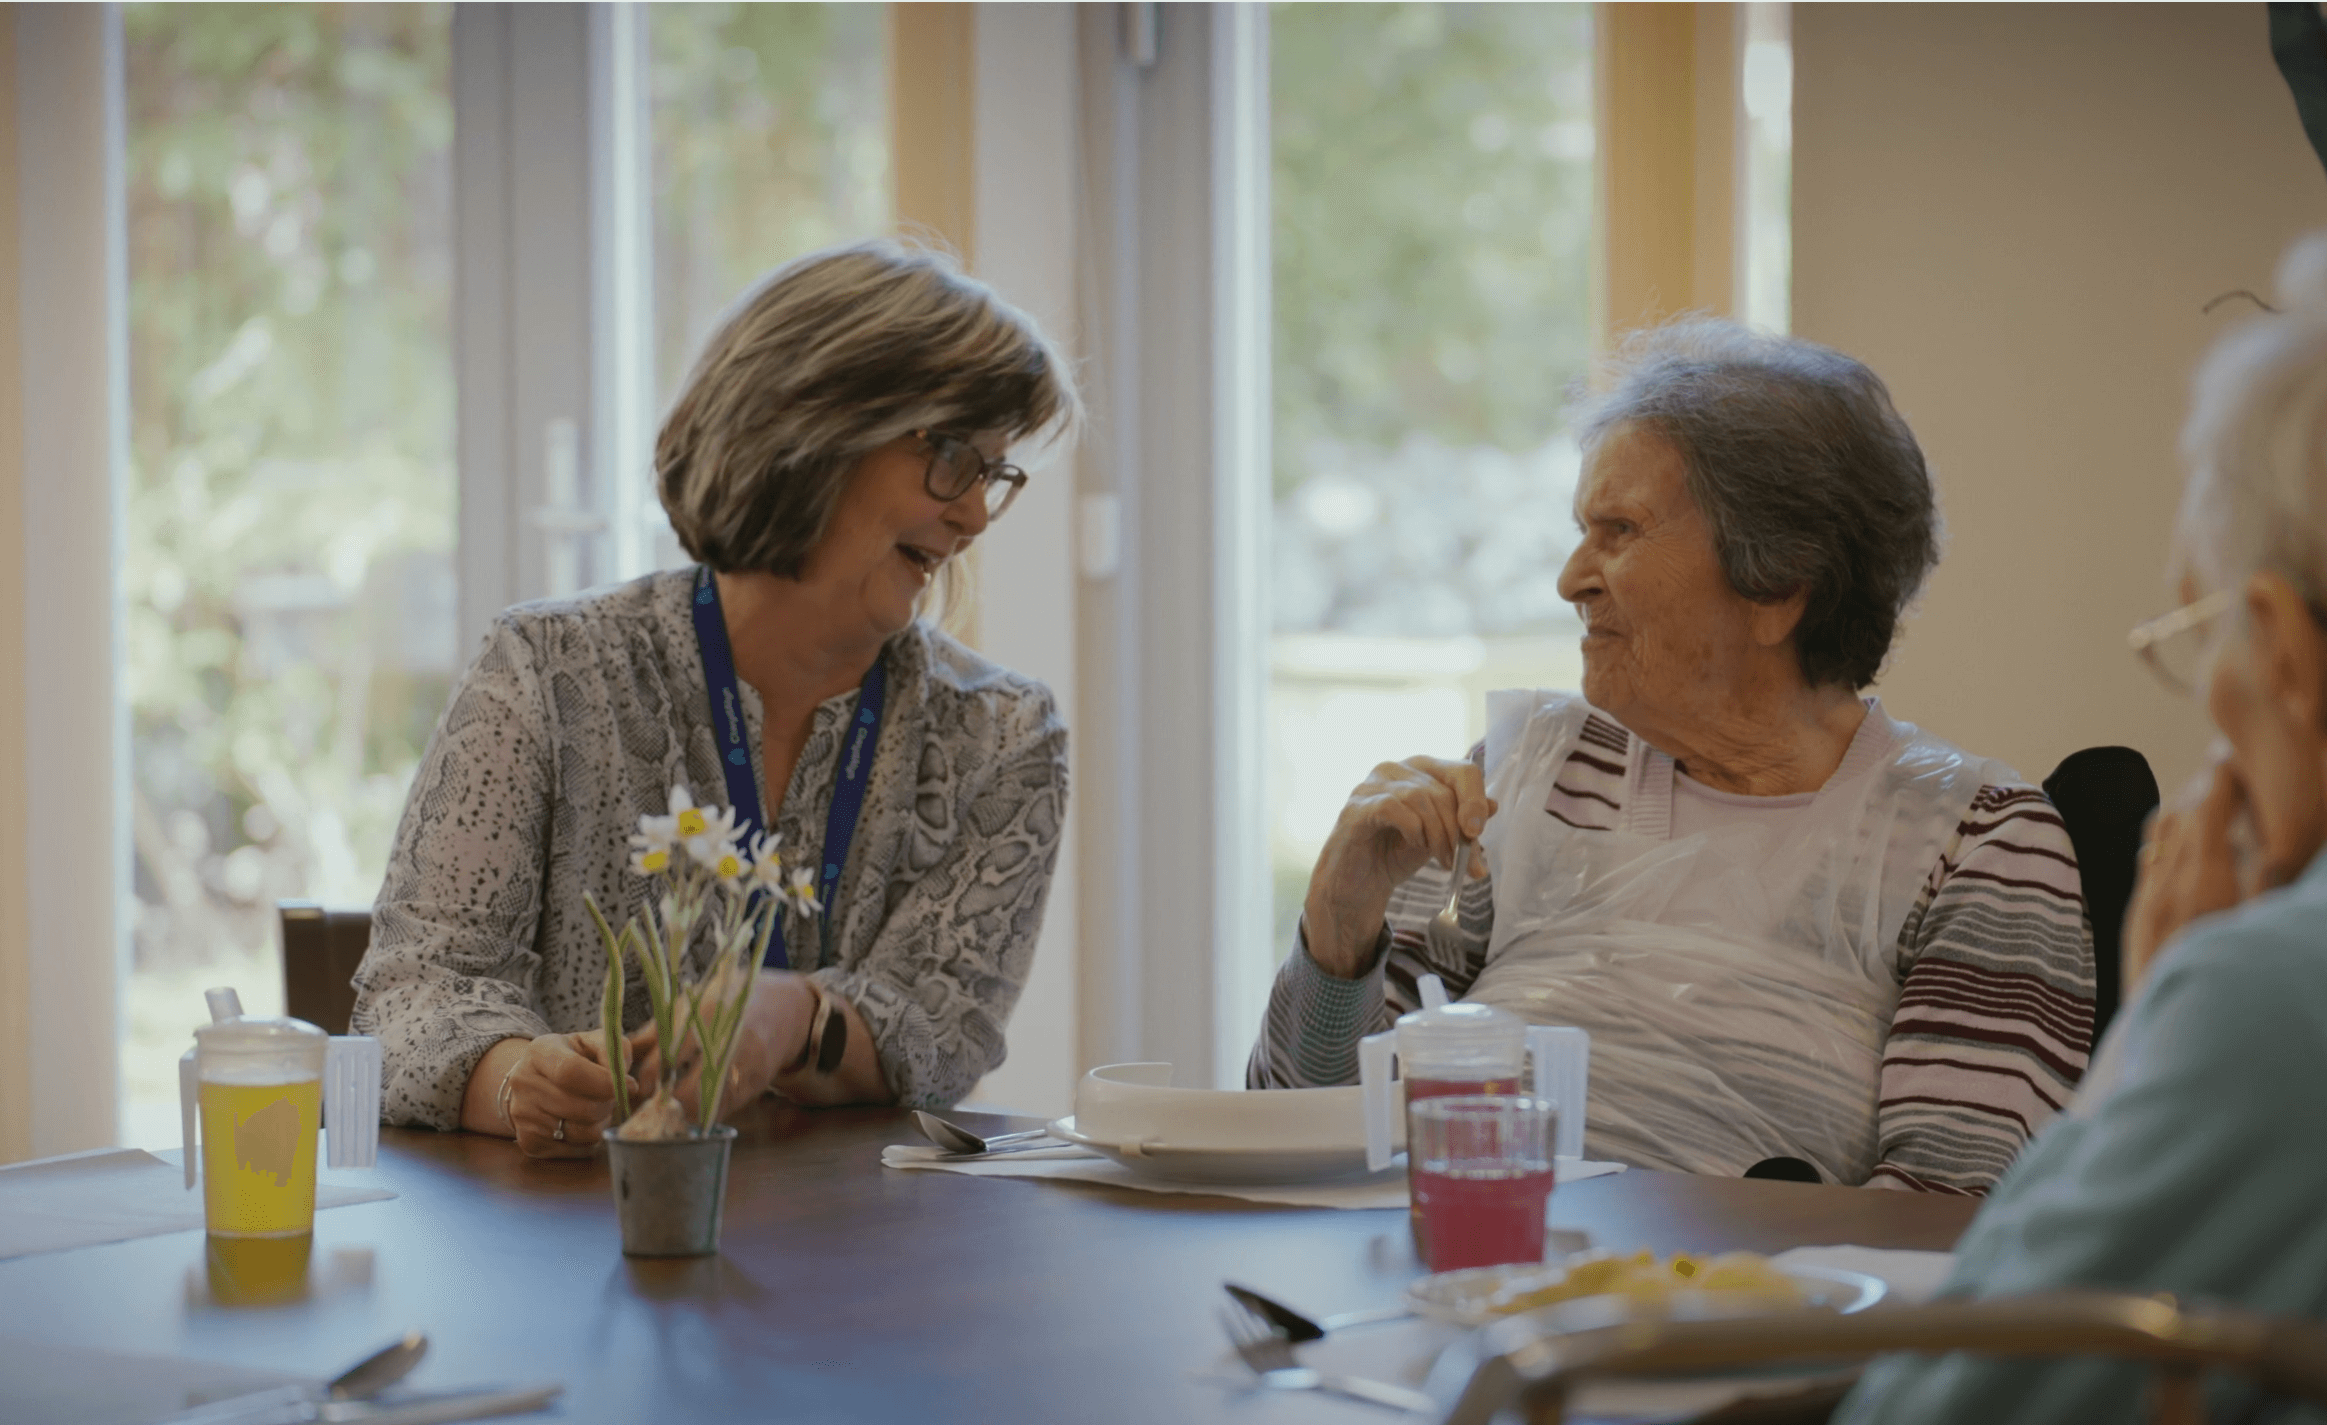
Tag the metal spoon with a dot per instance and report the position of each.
(1298, 1328)
(364, 1380)
(954, 1138)
(379, 1370)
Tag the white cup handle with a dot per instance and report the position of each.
(1563, 1069)
(1373, 1075)
(189, 1096)
(351, 1100)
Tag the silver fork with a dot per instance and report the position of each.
(1271, 1357)
(1444, 931)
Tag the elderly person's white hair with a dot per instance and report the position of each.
(2256, 442)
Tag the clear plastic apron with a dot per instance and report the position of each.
(1738, 994)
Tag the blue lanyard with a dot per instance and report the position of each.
(743, 796)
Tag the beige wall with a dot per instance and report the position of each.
(2014, 213)
(15, 947)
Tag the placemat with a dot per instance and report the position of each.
(1386, 1189)
(113, 1195)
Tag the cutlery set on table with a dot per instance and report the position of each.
(1262, 1145)
(363, 1395)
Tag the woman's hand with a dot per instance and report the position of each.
(1406, 815)
(2190, 867)
(775, 1026)
(557, 1078)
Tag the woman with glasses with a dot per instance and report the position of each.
(836, 449)
(2194, 1157)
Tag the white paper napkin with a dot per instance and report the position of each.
(44, 1383)
(1067, 1163)
(112, 1195)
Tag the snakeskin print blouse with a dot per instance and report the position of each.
(577, 718)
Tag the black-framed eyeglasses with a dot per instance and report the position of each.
(956, 468)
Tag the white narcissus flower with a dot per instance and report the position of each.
(687, 819)
(715, 842)
(767, 867)
(649, 860)
(800, 890)
(659, 833)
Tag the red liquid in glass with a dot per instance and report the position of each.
(1416, 1091)
(1483, 1217)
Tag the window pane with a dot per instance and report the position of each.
(1766, 200)
(291, 515)
(771, 139)
(1432, 175)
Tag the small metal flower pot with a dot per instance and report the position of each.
(667, 1194)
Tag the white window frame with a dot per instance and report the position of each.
(1175, 914)
(552, 302)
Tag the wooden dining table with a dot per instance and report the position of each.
(845, 1291)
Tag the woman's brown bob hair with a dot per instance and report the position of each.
(830, 358)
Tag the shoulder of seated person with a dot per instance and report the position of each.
(2020, 809)
(2268, 953)
(957, 671)
(1556, 702)
(631, 599)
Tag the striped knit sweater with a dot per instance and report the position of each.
(1994, 1016)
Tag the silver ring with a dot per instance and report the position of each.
(560, 1132)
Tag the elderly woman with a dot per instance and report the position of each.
(1795, 927)
(837, 446)
(2193, 1159)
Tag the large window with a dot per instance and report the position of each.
(291, 515)
(771, 139)
(1765, 210)
(292, 521)
(1432, 184)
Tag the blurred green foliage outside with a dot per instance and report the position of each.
(1432, 187)
(771, 139)
(291, 511)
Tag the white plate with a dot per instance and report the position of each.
(1461, 1297)
(1165, 1162)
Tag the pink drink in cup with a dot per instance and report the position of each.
(1418, 1089)
(1480, 1170)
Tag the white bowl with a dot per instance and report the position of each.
(1136, 1104)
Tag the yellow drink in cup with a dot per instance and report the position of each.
(258, 1088)
(258, 1157)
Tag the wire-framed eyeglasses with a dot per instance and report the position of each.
(2170, 644)
(956, 468)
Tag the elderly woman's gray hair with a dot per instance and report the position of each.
(1805, 471)
(2256, 442)
(830, 358)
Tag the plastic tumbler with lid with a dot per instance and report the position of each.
(257, 1086)
(1472, 1049)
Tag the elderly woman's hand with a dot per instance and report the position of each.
(1406, 815)
(2190, 867)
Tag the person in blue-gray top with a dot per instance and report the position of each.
(2194, 1158)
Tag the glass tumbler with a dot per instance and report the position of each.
(1479, 1167)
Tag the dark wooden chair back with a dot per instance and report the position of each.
(321, 949)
